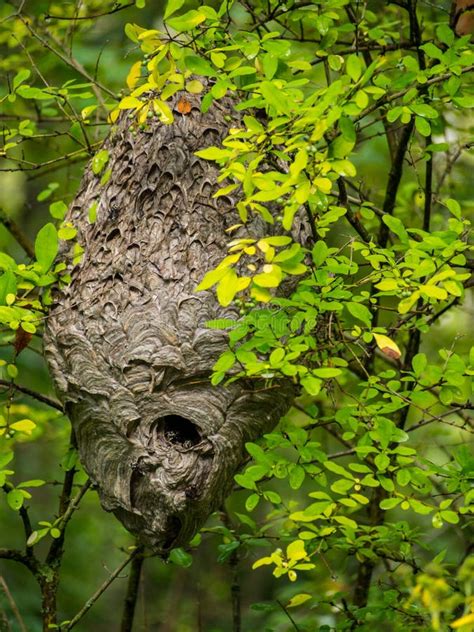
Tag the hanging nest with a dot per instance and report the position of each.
(126, 340)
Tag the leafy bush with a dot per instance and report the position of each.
(355, 121)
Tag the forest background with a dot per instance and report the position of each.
(381, 435)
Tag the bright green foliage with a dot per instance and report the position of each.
(355, 121)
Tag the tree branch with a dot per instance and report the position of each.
(132, 591)
(19, 556)
(53, 403)
(13, 606)
(351, 217)
(69, 61)
(51, 16)
(100, 591)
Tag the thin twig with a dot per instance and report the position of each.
(13, 605)
(39, 396)
(74, 504)
(351, 217)
(100, 591)
(51, 16)
(293, 622)
(69, 61)
(130, 600)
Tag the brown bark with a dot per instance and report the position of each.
(127, 343)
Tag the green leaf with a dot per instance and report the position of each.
(194, 87)
(354, 67)
(419, 363)
(187, 21)
(319, 253)
(12, 372)
(27, 92)
(312, 385)
(46, 246)
(21, 76)
(23, 425)
(296, 550)
(297, 600)
(199, 66)
(211, 278)
(172, 6)
(8, 286)
(382, 461)
(445, 34)
(15, 499)
(227, 288)
(225, 362)
(58, 210)
(422, 126)
(327, 372)
(92, 213)
(5, 458)
(403, 477)
(396, 226)
(390, 503)
(346, 522)
(424, 110)
(213, 153)
(419, 507)
(225, 550)
(338, 469)
(296, 476)
(180, 557)
(387, 285)
(251, 502)
(46, 193)
(449, 516)
(99, 161)
(245, 481)
(270, 65)
(361, 312)
(32, 483)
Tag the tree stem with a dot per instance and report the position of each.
(132, 592)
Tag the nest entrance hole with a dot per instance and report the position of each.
(179, 431)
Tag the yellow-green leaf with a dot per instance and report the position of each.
(270, 277)
(433, 291)
(295, 550)
(130, 103)
(194, 86)
(466, 620)
(386, 285)
(24, 425)
(163, 111)
(211, 278)
(297, 600)
(134, 74)
(388, 346)
(227, 288)
(262, 562)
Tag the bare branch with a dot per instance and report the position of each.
(51, 16)
(132, 592)
(13, 606)
(53, 403)
(100, 591)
